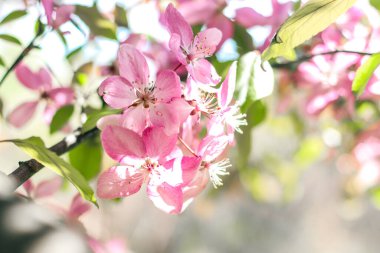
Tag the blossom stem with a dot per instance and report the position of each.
(291, 64)
(187, 146)
(28, 168)
(178, 66)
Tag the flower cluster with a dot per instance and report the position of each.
(171, 135)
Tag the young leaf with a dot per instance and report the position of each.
(121, 16)
(13, 16)
(99, 25)
(310, 19)
(10, 38)
(87, 158)
(243, 40)
(364, 73)
(95, 116)
(36, 149)
(253, 82)
(375, 3)
(61, 117)
(2, 63)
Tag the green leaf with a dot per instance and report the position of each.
(243, 40)
(310, 19)
(13, 16)
(1, 107)
(310, 150)
(95, 116)
(375, 3)
(364, 74)
(61, 117)
(98, 25)
(253, 82)
(36, 149)
(82, 75)
(121, 16)
(10, 38)
(2, 63)
(87, 157)
(256, 113)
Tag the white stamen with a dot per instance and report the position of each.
(236, 119)
(216, 170)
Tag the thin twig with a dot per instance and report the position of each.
(309, 57)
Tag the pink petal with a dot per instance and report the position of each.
(115, 120)
(22, 114)
(61, 96)
(195, 187)
(119, 181)
(157, 143)
(175, 46)
(189, 168)
(319, 101)
(48, 187)
(166, 197)
(135, 118)
(247, 17)
(197, 11)
(78, 207)
(176, 24)
(226, 91)
(117, 92)
(165, 115)
(133, 66)
(225, 25)
(40, 80)
(204, 72)
(168, 86)
(183, 109)
(205, 43)
(119, 142)
(63, 14)
(28, 186)
(48, 6)
(211, 147)
(49, 112)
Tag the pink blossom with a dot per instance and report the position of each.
(145, 159)
(144, 102)
(56, 16)
(115, 245)
(41, 83)
(190, 50)
(43, 189)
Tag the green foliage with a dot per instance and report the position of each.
(310, 150)
(98, 25)
(121, 16)
(375, 3)
(2, 63)
(81, 76)
(364, 74)
(243, 40)
(95, 116)
(61, 117)
(36, 149)
(87, 157)
(10, 39)
(13, 16)
(310, 19)
(253, 82)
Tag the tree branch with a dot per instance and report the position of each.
(28, 168)
(291, 64)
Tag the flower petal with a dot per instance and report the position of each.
(175, 46)
(135, 118)
(117, 92)
(168, 86)
(48, 187)
(204, 72)
(133, 66)
(63, 14)
(211, 147)
(22, 114)
(166, 197)
(205, 43)
(119, 181)
(176, 24)
(248, 17)
(227, 88)
(61, 96)
(40, 80)
(157, 143)
(119, 142)
(78, 207)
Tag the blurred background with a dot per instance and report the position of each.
(294, 185)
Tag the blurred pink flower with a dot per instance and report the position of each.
(57, 15)
(41, 83)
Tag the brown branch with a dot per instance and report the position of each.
(28, 168)
(292, 64)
